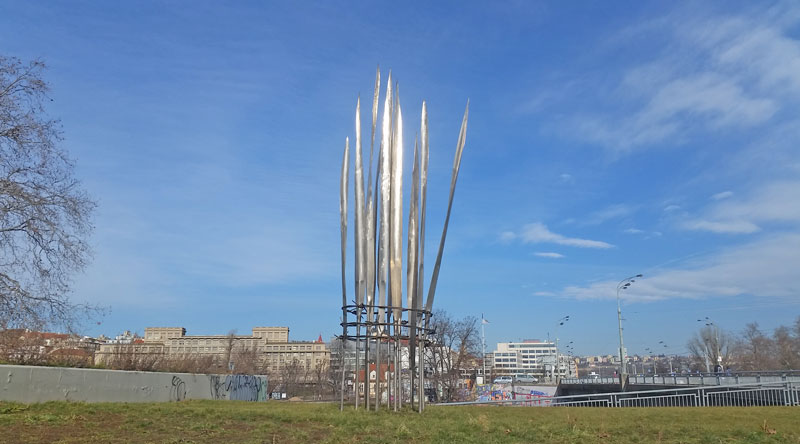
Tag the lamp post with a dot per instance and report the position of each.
(652, 358)
(718, 351)
(669, 358)
(560, 322)
(571, 353)
(483, 344)
(623, 285)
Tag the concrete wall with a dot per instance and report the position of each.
(39, 384)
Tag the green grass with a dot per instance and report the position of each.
(283, 422)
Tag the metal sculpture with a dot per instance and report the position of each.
(386, 324)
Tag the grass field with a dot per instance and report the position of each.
(283, 422)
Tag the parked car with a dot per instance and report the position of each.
(527, 379)
(503, 380)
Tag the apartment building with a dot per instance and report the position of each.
(531, 356)
(270, 345)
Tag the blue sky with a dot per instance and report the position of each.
(603, 141)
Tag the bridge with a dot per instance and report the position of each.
(692, 380)
(635, 383)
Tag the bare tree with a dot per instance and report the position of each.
(136, 357)
(246, 360)
(754, 350)
(787, 349)
(193, 363)
(18, 347)
(324, 380)
(230, 344)
(290, 375)
(708, 345)
(455, 344)
(44, 212)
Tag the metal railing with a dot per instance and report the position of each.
(765, 394)
(709, 379)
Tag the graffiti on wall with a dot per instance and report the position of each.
(239, 387)
(178, 390)
(539, 395)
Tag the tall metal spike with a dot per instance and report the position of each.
(420, 291)
(360, 227)
(413, 232)
(396, 249)
(385, 182)
(462, 138)
(424, 156)
(411, 265)
(371, 214)
(343, 217)
(343, 224)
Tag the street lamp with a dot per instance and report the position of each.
(483, 344)
(560, 322)
(652, 358)
(669, 358)
(623, 285)
(710, 323)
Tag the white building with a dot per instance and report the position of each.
(532, 356)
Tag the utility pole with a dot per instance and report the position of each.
(623, 358)
(483, 342)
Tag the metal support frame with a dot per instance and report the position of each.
(355, 316)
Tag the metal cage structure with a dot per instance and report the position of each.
(383, 314)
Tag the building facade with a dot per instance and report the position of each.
(269, 346)
(533, 357)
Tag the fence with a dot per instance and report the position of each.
(765, 394)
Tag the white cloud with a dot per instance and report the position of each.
(669, 208)
(608, 213)
(507, 236)
(565, 177)
(538, 233)
(772, 203)
(549, 254)
(722, 195)
(714, 75)
(544, 293)
(634, 231)
(726, 227)
(764, 268)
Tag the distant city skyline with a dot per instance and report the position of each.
(604, 141)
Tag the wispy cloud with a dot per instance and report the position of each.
(610, 212)
(764, 268)
(722, 195)
(725, 227)
(642, 233)
(507, 236)
(538, 232)
(777, 202)
(548, 254)
(717, 74)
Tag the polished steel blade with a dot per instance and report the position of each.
(462, 137)
(385, 185)
(424, 155)
(360, 227)
(371, 214)
(343, 215)
(396, 224)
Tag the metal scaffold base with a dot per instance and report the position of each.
(392, 347)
